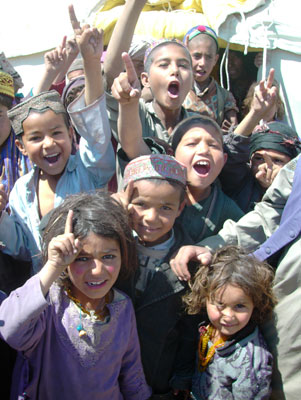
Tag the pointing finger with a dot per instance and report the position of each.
(68, 224)
(270, 79)
(129, 67)
(74, 21)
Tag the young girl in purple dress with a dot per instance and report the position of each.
(76, 334)
(233, 359)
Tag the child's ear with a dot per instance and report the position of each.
(182, 205)
(70, 132)
(21, 147)
(144, 79)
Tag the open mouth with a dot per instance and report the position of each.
(173, 89)
(202, 168)
(53, 158)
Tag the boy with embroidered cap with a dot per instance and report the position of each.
(207, 97)
(154, 192)
(44, 135)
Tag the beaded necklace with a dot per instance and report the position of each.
(95, 316)
(205, 355)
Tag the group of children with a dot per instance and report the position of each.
(103, 315)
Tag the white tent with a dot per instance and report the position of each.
(30, 28)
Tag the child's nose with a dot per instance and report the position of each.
(98, 267)
(202, 148)
(150, 214)
(228, 312)
(174, 68)
(48, 141)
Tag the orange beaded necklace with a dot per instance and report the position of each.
(205, 355)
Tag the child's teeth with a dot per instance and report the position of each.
(95, 283)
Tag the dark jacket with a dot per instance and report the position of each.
(167, 335)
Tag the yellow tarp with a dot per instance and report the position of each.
(171, 19)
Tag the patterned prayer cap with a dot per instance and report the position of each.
(155, 166)
(201, 30)
(7, 85)
(42, 102)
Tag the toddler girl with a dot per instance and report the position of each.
(233, 360)
(76, 334)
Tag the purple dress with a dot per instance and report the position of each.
(55, 363)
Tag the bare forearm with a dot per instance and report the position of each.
(247, 125)
(121, 39)
(45, 82)
(130, 131)
(94, 82)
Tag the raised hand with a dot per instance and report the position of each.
(63, 249)
(179, 260)
(89, 40)
(72, 50)
(55, 59)
(124, 198)
(265, 95)
(126, 87)
(267, 171)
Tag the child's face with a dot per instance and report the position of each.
(4, 124)
(170, 76)
(95, 269)
(201, 151)
(230, 311)
(46, 141)
(204, 57)
(154, 208)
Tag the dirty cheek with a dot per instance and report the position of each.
(111, 269)
(77, 269)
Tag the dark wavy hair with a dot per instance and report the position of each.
(99, 213)
(233, 265)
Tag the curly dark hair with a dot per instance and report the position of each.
(233, 265)
(95, 212)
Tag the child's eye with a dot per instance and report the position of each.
(138, 204)
(82, 259)
(163, 65)
(190, 144)
(184, 65)
(57, 133)
(166, 208)
(34, 138)
(240, 306)
(108, 257)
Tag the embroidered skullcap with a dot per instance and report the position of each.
(76, 65)
(160, 42)
(275, 136)
(155, 166)
(186, 124)
(6, 66)
(201, 30)
(7, 85)
(42, 102)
